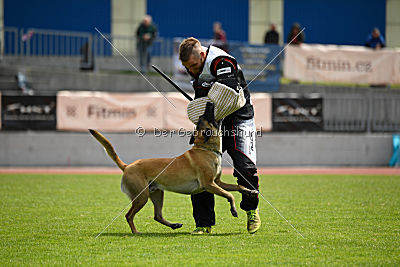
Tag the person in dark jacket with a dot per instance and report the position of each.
(375, 40)
(272, 36)
(293, 37)
(145, 33)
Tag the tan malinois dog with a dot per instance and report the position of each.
(197, 170)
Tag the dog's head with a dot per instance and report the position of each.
(207, 127)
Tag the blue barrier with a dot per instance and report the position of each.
(395, 160)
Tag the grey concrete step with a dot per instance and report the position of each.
(8, 85)
(56, 79)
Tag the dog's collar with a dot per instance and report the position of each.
(218, 153)
(215, 151)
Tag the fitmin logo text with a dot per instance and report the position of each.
(314, 63)
(100, 112)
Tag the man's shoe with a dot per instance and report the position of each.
(253, 221)
(201, 231)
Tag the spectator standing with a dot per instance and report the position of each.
(146, 33)
(272, 36)
(219, 39)
(375, 40)
(293, 37)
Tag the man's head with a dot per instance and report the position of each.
(147, 20)
(192, 55)
(375, 33)
(295, 28)
(217, 26)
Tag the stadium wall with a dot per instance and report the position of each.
(72, 15)
(273, 149)
(333, 22)
(339, 22)
(126, 16)
(1, 26)
(261, 14)
(181, 18)
(392, 23)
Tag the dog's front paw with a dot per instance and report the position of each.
(254, 193)
(176, 226)
(249, 193)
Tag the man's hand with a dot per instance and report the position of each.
(146, 36)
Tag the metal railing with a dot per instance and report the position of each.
(72, 49)
(345, 113)
(108, 58)
(362, 112)
(386, 113)
(9, 41)
(39, 42)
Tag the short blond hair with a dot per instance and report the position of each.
(186, 48)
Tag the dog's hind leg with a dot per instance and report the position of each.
(215, 189)
(157, 197)
(137, 205)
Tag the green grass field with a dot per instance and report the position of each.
(53, 219)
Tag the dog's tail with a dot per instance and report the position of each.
(109, 148)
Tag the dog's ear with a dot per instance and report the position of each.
(216, 125)
(191, 141)
(198, 122)
(209, 111)
(207, 133)
(209, 114)
(192, 137)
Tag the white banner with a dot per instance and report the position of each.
(109, 111)
(176, 117)
(262, 103)
(396, 70)
(331, 63)
(117, 112)
(175, 120)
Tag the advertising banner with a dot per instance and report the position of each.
(262, 103)
(396, 70)
(297, 114)
(28, 112)
(331, 63)
(115, 112)
(176, 116)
